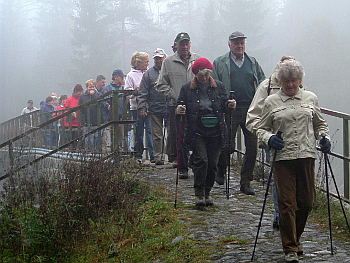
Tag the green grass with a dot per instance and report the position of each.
(148, 240)
(319, 215)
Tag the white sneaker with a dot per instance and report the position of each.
(291, 257)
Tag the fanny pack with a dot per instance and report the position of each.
(209, 121)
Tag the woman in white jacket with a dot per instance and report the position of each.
(139, 63)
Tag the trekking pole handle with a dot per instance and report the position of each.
(231, 94)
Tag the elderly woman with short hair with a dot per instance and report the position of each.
(203, 102)
(295, 112)
(139, 63)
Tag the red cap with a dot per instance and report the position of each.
(201, 63)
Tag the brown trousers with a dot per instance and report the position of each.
(295, 184)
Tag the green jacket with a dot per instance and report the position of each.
(222, 70)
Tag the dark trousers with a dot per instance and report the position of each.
(250, 141)
(295, 185)
(205, 158)
(171, 147)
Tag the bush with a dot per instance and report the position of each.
(44, 215)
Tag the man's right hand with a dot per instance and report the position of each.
(276, 142)
(181, 110)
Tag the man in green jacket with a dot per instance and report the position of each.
(242, 74)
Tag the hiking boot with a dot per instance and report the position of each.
(220, 179)
(199, 201)
(183, 175)
(209, 201)
(291, 257)
(246, 189)
(300, 249)
(159, 162)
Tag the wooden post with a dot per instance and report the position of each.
(115, 130)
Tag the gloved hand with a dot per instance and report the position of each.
(276, 142)
(231, 104)
(325, 145)
(181, 110)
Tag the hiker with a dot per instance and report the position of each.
(266, 88)
(175, 72)
(240, 73)
(92, 116)
(117, 83)
(100, 83)
(153, 104)
(203, 101)
(296, 112)
(30, 108)
(49, 135)
(71, 121)
(139, 63)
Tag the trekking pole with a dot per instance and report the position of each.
(229, 152)
(279, 135)
(328, 202)
(336, 187)
(263, 166)
(179, 145)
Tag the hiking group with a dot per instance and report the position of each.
(199, 106)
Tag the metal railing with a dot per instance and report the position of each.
(345, 157)
(49, 133)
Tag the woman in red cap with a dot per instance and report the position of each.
(203, 101)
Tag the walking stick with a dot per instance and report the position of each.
(336, 187)
(279, 134)
(328, 202)
(179, 145)
(229, 151)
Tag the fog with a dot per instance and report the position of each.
(51, 45)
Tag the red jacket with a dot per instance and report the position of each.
(72, 102)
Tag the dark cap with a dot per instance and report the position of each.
(236, 35)
(118, 72)
(182, 36)
(30, 101)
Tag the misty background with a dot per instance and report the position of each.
(50, 45)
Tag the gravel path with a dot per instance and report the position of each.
(237, 219)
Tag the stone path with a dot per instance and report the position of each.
(237, 219)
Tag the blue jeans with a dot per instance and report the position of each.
(143, 123)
